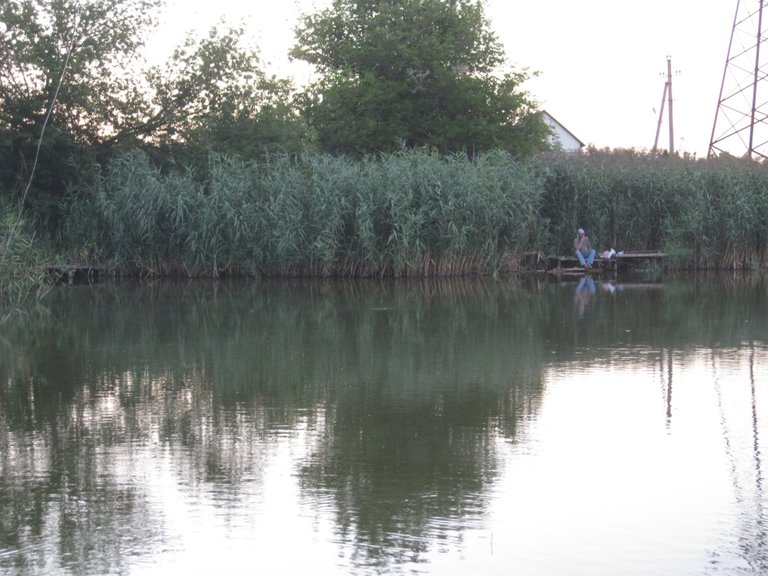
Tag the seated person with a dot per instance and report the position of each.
(583, 247)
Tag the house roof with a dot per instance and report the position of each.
(560, 126)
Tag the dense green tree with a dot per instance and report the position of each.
(212, 96)
(73, 59)
(82, 60)
(79, 52)
(416, 73)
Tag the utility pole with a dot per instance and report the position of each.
(666, 97)
(669, 101)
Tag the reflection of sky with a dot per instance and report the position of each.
(610, 454)
(266, 527)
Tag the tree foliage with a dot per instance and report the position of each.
(83, 60)
(85, 50)
(415, 72)
(70, 58)
(212, 96)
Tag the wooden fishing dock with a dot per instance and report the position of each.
(78, 274)
(619, 262)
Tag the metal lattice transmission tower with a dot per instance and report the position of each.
(741, 120)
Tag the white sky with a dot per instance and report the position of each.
(603, 63)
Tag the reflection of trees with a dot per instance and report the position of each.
(428, 387)
(404, 388)
(74, 475)
(61, 505)
(201, 376)
(397, 469)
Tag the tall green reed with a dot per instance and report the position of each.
(415, 214)
(402, 214)
(703, 213)
(23, 273)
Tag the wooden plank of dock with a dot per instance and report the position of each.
(77, 274)
(563, 263)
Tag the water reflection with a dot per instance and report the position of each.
(584, 291)
(742, 442)
(137, 421)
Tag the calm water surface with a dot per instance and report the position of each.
(453, 427)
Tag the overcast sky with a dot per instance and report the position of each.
(602, 63)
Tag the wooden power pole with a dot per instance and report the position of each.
(666, 97)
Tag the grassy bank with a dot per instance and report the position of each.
(413, 214)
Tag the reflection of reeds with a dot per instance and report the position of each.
(415, 215)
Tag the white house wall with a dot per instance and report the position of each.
(561, 137)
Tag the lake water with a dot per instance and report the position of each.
(518, 426)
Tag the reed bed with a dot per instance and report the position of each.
(413, 213)
(704, 214)
(408, 214)
(22, 262)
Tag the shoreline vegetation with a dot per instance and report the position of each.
(171, 169)
(23, 274)
(405, 214)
